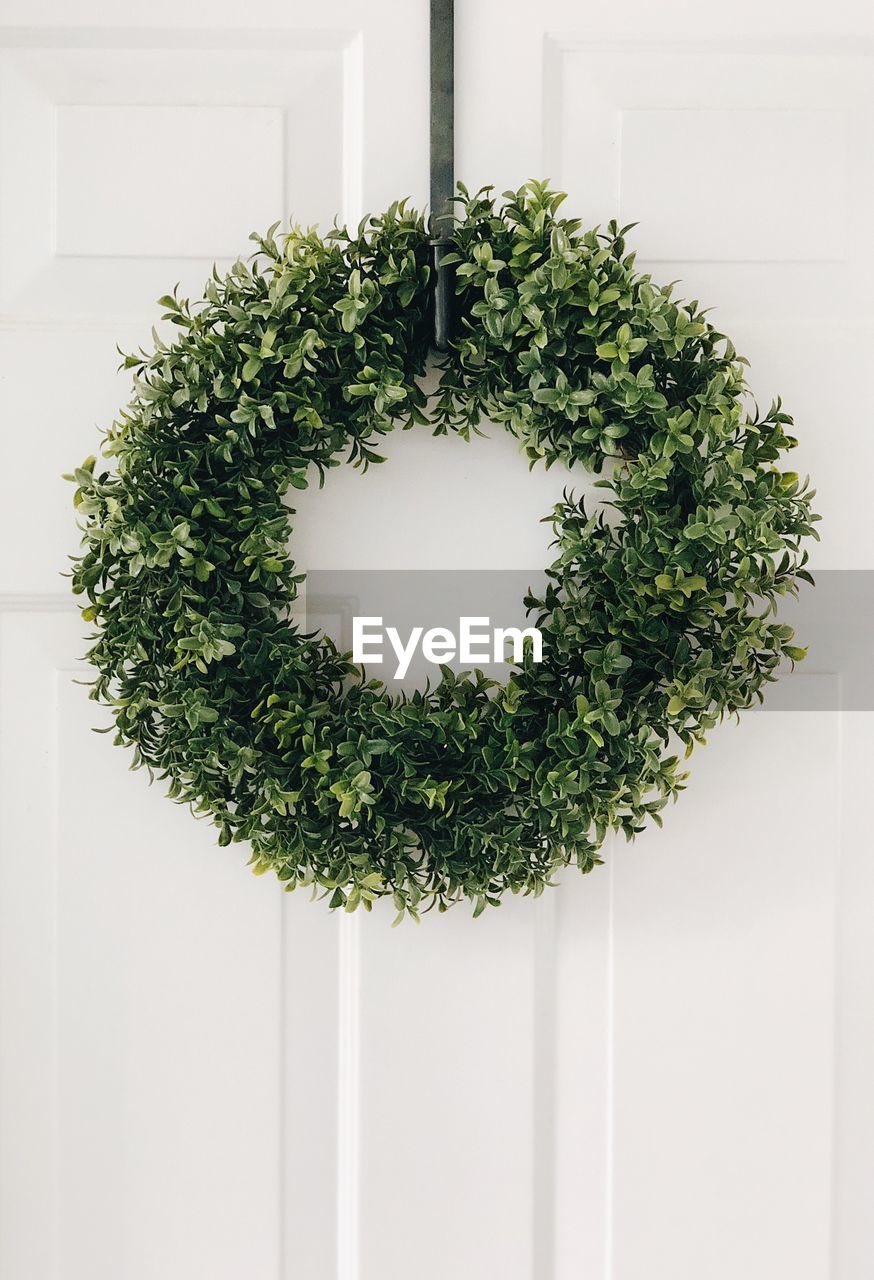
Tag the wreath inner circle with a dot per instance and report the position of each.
(657, 616)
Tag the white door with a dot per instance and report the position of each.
(658, 1072)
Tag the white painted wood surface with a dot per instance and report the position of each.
(660, 1071)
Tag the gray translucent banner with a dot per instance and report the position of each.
(834, 620)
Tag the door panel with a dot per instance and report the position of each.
(733, 1034)
(173, 1051)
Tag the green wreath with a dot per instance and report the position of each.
(656, 622)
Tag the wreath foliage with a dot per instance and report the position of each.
(657, 620)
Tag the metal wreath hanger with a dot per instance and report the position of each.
(442, 162)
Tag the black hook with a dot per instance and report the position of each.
(442, 163)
